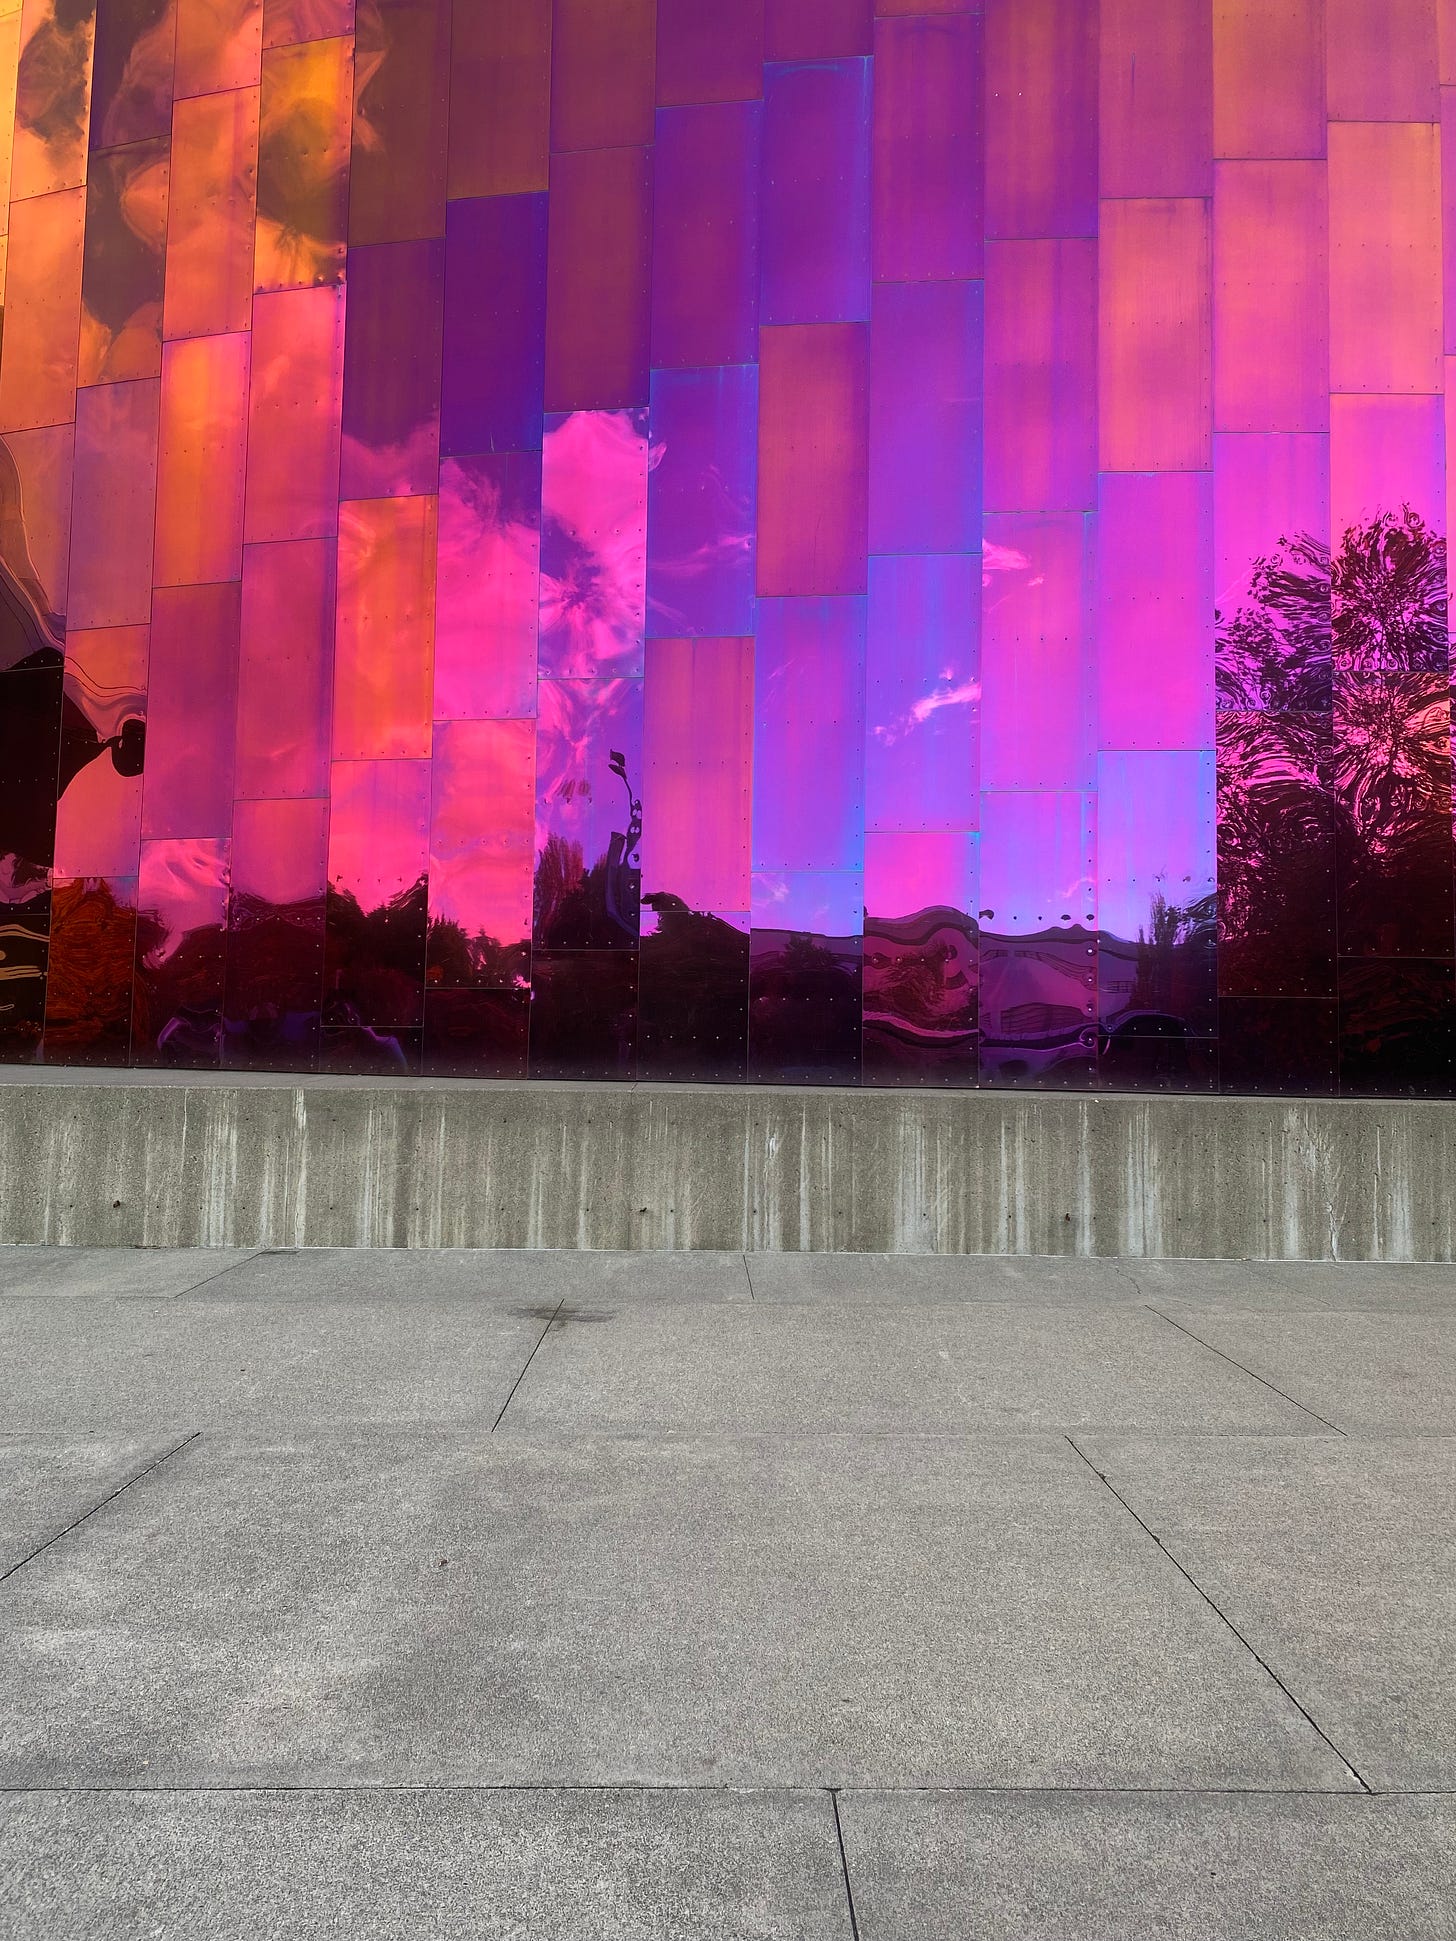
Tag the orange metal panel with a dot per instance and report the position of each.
(1156, 120)
(1269, 78)
(42, 311)
(210, 216)
(200, 470)
(304, 124)
(1385, 256)
(384, 640)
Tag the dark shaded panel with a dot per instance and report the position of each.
(89, 982)
(694, 999)
(360, 1051)
(375, 960)
(476, 1034)
(30, 741)
(25, 924)
(495, 324)
(1276, 856)
(181, 949)
(804, 1009)
(500, 91)
(401, 96)
(584, 1014)
(1038, 1010)
(275, 942)
(1389, 775)
(707, 51)
(391, 440)
(1278, 1044)
(809, 30)
(602, 57)
(705, 235)
(377, 901)
(588, 876)
(599, 302)
(1156, 1057)
(1398, 1027)
(131, 71)
(921, 999)
(123, 264)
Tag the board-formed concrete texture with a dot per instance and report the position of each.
(121, 1159)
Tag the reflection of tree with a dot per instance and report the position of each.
(805, 1007)
(376, 958)
(1274, 651)
(1389, 597)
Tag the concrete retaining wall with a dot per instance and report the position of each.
(161, 1160)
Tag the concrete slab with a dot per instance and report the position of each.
(89, 1365)
(503, 1866)
(1292, 1286)
(883, 1369)
(939, 1278)
(1334, 1559)
(46, 1482)
(153, 1273)
(536, 1279)
(1366, 1372)
(402, 1607)
(1170, 1867)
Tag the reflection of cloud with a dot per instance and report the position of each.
(594, 543)
(1000, 559)
(946, 694)
(184, 885)
(388, 471)
(578, 725)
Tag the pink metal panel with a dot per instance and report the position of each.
(204, 436)
(1155, 360)
(488, 587)
(1156, 98)
(1041, 118)
(187, 790)
(1265, 490)
(482, 830)
(925, 418)
(593, 544)
(1038, 861)
(286, 669)
(99, 815)
(705, 235)
(280, 852)
(812, 459)
(1037, 728)
(709, 52)
(599, 304)
(219, 45)
(1385, 257)
(602, 68)
(812, 30)
(42, 311)
(1271, 310)
(1155, 610)
(1269, 78)
(383, 644)
(1386, 453)
(1381, 60)
(293, 425)
(1041, 376)
(923, 693)
(928, 146)
(379, 823)
(909, 871)
(114, 509)
(211, 203)
(697, 772)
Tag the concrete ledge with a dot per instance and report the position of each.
(148, 1159)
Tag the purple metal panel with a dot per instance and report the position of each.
(815, 192)
(925, 418)
(701, 501)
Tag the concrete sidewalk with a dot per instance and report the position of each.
(576, 1597)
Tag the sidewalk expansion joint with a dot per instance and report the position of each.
(1224, 1618)
(844, 1865)
(167, 1456)
(529, 1359)
(1252, 1374)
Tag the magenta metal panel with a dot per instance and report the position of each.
(598, 280)
(1041, 376)
(817, 30)
(1271, 369)
(1155, 610)
(588, 818)
(705, 267)
(114, 509)
(808, 760)
(1038, 652)
(697, 772)
(488, 586)
(923, 694)
(907, 871)
(813, 478)
(1155, 362)
(191, 712)
(295, 399)
(379, 831)
(285, 673)
(925, 418)
(1041, 118)
(1381, 60)
(702, 502)
(1156, 98)
(708, 52)
(495, 295)
(1387, 452)
(815, 192)
(928, 146)
(1269, 78)
(593, 544)
(1038, 861)
(392, 371)
(482, 848)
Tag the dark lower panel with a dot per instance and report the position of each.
(476, 1034)
(1398, 1027)
(804, 1022)
(24, 931)
(92, 965)
(274, 987)
(1039, 1010)
(367, 1051)
(1279, 1045)
(584, 1014)
(921, 1001)
(694, 1000)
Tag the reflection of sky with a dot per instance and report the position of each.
(827, 902)
(481, 827)
(185, 886)
(907, 873)
(923, 692)
(280, 850)
(1037, 860)
(701, 495)
(594, 543)
(580, 724)
(378, 828)
(1155, 834)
